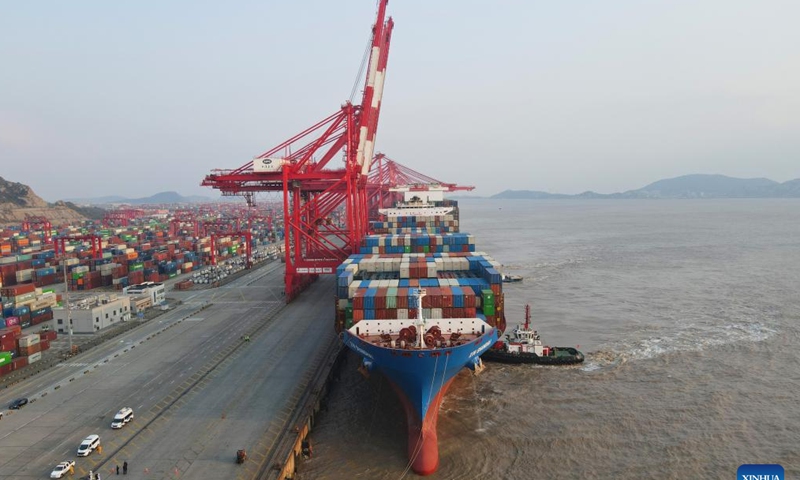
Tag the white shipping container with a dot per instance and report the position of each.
(21, 298)
(353, 287)
(34, 357)
(28, 340)
(24, 275)
(28, 302)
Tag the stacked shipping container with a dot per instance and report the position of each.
(17, 350)
(378, 283)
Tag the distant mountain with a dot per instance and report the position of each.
(158, 198)
(169, 197)
(687, 186)
(96, 201)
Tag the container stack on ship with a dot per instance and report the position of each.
(418, 304)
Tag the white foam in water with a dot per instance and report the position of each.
(689, 338)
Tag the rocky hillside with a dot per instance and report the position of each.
(18, 201)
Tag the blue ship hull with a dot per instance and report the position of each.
(421, 378)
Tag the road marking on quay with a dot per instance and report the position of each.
(161, 414)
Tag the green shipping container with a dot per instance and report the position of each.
(407, 248)
(488, 298)
(348, 313)
(5, 358)
(488, 309)
(426, 249)
(173, 275)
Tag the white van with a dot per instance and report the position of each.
(88, 445)
(122, 417)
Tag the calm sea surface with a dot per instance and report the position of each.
(689, 312)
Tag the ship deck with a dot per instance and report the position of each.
(401, 333)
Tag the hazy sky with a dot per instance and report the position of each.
(102, 97)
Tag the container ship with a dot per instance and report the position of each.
(418, 304)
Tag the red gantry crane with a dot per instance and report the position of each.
(60, 244)
(388, 174)
(121, 217)
(248, 249)
(38, 221)
(181, 218)
(313, 188)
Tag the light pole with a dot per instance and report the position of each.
(66, 300)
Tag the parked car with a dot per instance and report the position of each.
(88, 445)
(62, 469)
(18, 403)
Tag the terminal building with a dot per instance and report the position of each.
(154, 290)
(93, 314)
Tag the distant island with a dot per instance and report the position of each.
(687, 186)
(159, 198)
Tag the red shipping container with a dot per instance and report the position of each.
(6, 369)
(19, 362)
(10, 279)
(30, 350)
(21, 289)
(45, 345)
(15, 329)
(48, 335)
(8, 344)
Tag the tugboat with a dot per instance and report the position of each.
(511, 278)
(526, 347)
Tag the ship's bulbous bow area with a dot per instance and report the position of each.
(423, 443)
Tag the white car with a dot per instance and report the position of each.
(62, 469)
(122, 417)
(88, 445)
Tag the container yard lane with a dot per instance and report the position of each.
(199, 390)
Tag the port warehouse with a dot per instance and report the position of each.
(133, 260)
(378, 283)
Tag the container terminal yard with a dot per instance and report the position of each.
(222, 378)
(198, 390)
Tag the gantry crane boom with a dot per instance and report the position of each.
(312, 187)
